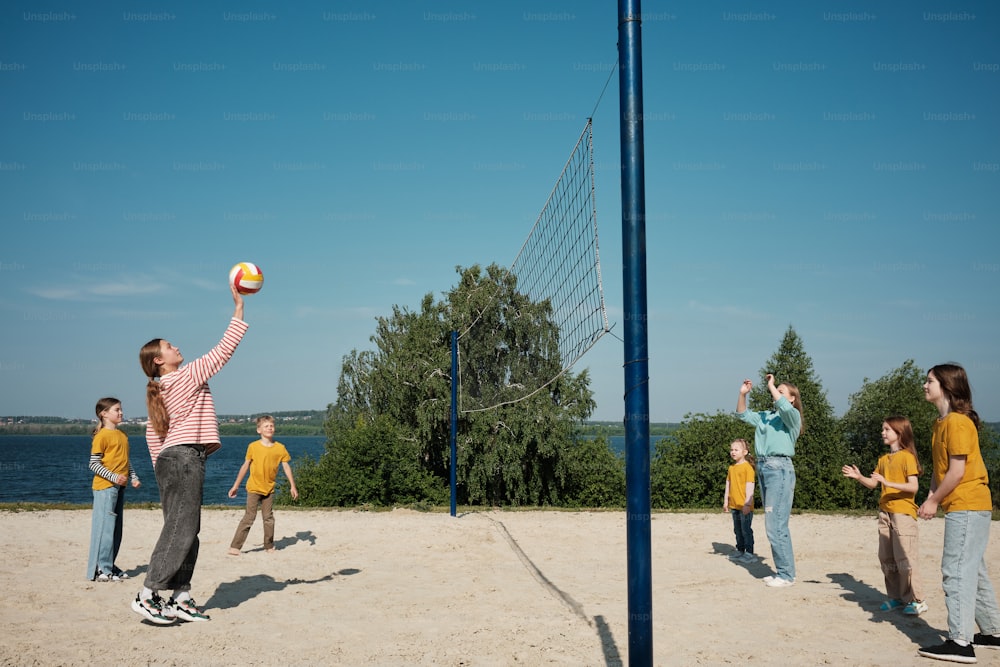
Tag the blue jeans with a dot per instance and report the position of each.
(968, 593)
(743, 527)
(180, 474)
(776, 479)
(105, 531)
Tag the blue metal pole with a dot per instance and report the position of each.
(640, 589)
(454, 418)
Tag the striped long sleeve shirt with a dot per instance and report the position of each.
(189, 400)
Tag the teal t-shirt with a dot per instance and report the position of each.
(775, 431)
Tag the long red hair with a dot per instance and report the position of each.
(903, 428)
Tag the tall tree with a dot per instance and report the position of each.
(819, 452)
(520, 408)
(509, 452)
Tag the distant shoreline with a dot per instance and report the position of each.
(303, 422)
(298, 422)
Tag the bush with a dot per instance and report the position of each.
(370, 464)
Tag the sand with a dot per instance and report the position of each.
(483, 588)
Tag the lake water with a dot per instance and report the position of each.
(54, 468)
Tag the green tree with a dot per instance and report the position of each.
(989, 445)
(898, 392)
(508, 453)
(595, 474)
(520, 411)
(820, 451)
(374, 463)
(689, 466)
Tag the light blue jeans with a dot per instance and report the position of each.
(776, 479)
(968, 593)
(105, 531)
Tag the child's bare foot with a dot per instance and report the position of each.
(269, 551)
(233, 552)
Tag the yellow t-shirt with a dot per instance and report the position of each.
(956, 435)
(738, 476)
(264, 462)
(112, 445)
(897, 467)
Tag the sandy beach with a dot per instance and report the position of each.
(483, 588)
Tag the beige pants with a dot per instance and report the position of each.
(266, 504)
(898, 553)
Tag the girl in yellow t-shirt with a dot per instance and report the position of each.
(898, 550)
(961, 487)
(112, 471)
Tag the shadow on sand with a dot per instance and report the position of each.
(612, 655)
(869, 598)
(285, 542)
(232, 594)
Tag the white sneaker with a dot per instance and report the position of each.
(186, 610)
(778, 582)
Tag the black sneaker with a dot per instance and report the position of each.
(951, 652)
(986, 641)
(151, 609)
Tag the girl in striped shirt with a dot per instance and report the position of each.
(182, 431)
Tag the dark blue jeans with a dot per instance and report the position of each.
(180, 473)
(743, 527)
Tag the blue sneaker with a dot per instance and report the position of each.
(915, 608)
(891, 605)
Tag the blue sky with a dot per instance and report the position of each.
(833, 166)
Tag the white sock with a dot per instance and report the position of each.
(147, 593)
(960, 642)
(180, 596)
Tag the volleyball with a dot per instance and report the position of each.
(246, 277)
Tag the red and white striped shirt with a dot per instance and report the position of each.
(188, 399)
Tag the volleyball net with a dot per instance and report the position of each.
(540, 316)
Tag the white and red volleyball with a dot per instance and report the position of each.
(246, 277)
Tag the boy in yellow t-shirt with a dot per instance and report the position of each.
(262, 461)
(738, 499)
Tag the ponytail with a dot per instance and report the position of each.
(159, 418)
(103, 404)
